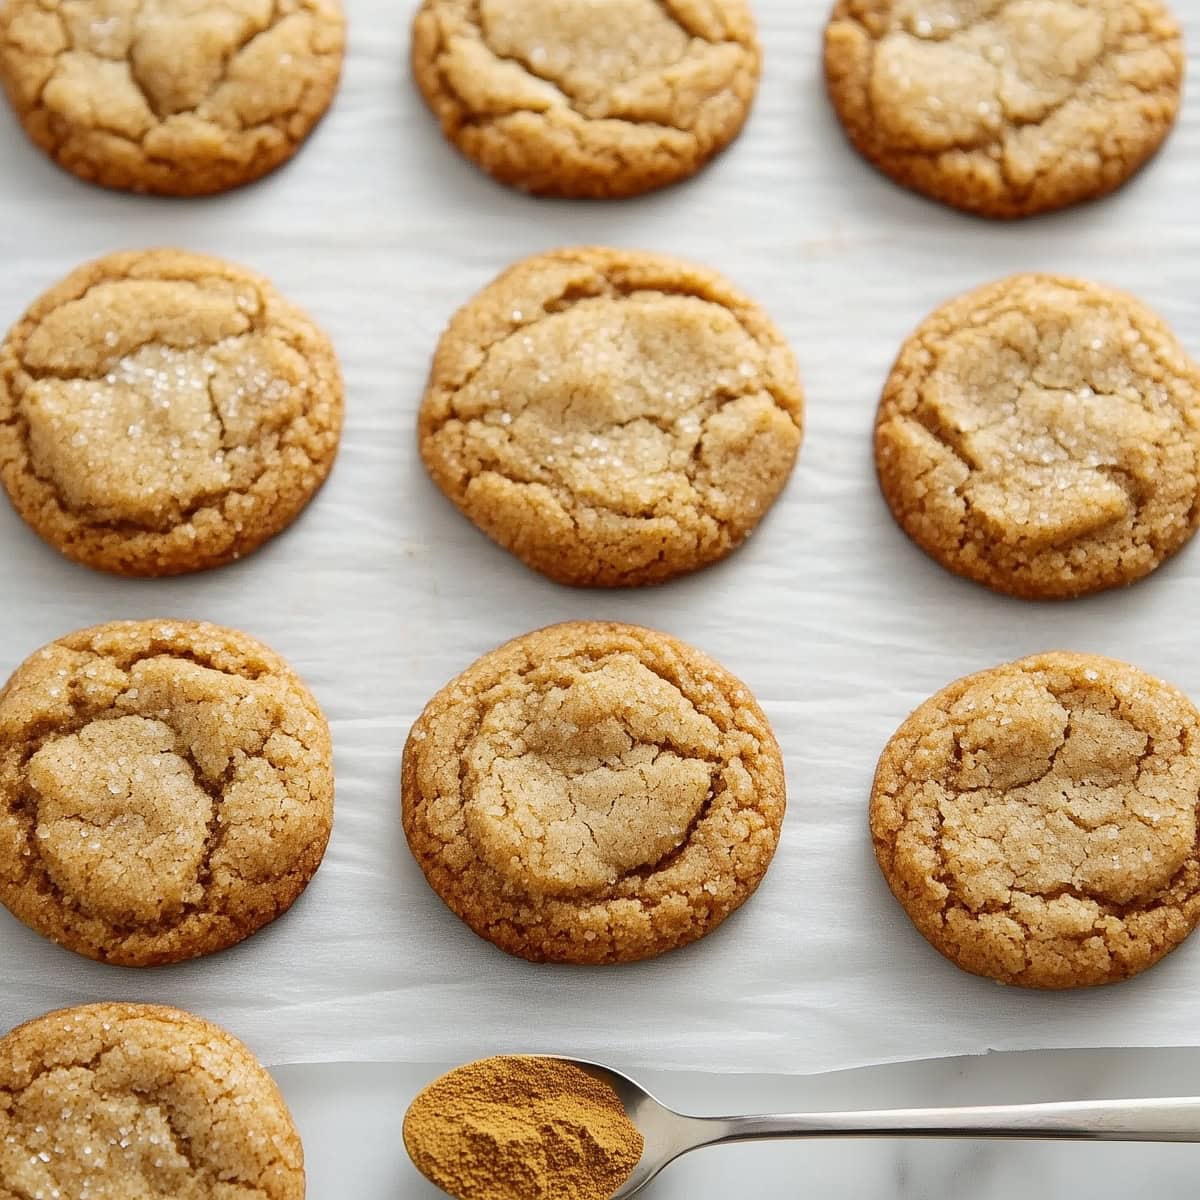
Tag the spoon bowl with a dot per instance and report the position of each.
(667, 1134)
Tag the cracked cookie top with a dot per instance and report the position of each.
(593, 793)
(176, 97)
(163, 412)
(1041, 435)
(119, 1101)
(1038, 821)
(612, 417)
(166, 788)
(1005, 108)
(590, 98)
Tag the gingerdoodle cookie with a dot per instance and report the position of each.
(1038, 821)
(593, 793)
(589, 98)
(1005, 108)
(166, 96)
(1041, 435)
(163, 412)
(166, 788)
(125, 1101)
(612, 417)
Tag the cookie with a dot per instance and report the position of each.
(1042, 436)
(593, 793)
(1038, 821)
(174, 99)
(166, 789)
(587, 98)
(125, 1101)
(612, 417)
(1005, 108)
(163, 412)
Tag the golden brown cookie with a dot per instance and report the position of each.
(1005, 108)
(612, 417)
(129, 1101)
(163, 412)
(166, 788)
(170, 96)
(1038, 821)
(593, 98)
(1041, 435)
(593, 793)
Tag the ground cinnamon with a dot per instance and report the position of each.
(519, 1128)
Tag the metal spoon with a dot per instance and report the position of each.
(670, 1134)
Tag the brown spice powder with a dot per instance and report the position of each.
(518, 1128)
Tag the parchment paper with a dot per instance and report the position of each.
(382, 592)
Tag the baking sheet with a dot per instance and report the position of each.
(382, 592)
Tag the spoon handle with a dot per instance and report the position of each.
(1174, 1119)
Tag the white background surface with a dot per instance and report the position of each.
(381, 592)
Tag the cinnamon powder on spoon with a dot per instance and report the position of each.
(518, 1128)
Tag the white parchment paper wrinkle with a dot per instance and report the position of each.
(381, 592)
